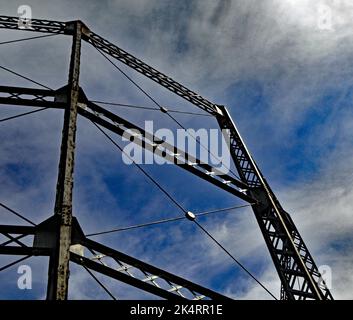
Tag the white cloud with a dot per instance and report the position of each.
(209, 46)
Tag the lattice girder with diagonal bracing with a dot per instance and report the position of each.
(296, 268)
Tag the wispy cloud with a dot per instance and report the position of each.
(287, 84)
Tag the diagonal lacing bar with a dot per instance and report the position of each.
(296, 268)
(147, 277)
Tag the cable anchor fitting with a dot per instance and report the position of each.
(190, 216)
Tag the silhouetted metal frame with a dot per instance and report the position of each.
(42, 246)
(298, 273)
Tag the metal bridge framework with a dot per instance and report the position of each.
(61, 238)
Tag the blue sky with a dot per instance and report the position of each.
(288, 87)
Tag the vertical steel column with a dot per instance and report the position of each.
(59, 260)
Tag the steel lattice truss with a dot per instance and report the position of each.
(61, 238)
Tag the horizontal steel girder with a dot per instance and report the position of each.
(106, 261)
(297, 270)
(148, 141)
(141, 275)
(31, 97)
(118, 125)
(117, 53)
